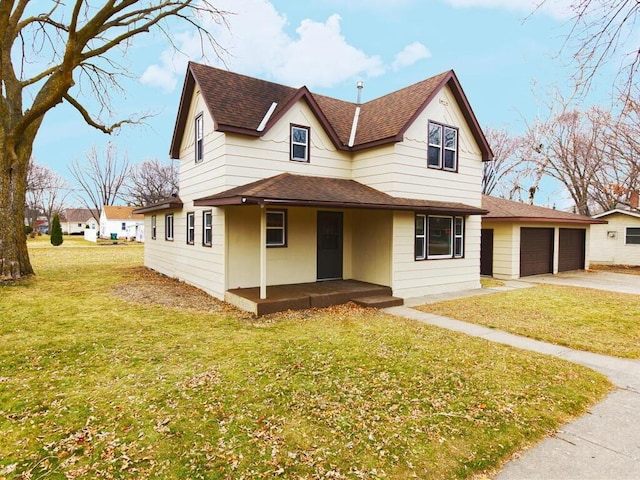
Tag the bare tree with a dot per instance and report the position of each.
(151, 182)
(505, 175)
(46, 191)
(594, 153)
(604, 32)
(49, 52)
(101, 180)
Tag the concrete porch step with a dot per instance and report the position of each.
(379, 301)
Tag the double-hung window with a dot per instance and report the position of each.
(206, 228)
(153, 227)
(443, 147)
(199, 133)
(123, 227)
(439, 236)
(276, 228)
(299, 143)
(191, 228)
(632, 236)
(168, 227)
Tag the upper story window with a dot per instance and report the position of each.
(443, 147)
(153, 227)
(168, 227)
(123, 227)
(206, 228)
(439, 236)
(632, 236)
(191, 228)
(299, 143)
(199, 132)
(276, 228)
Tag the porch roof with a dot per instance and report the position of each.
(287, 189)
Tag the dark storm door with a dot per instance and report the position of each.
(486, 251)
(329, 245)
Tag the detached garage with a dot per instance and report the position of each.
(520, 240)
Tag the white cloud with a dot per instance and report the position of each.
(558, 9)
(256, 43)
(411, 54)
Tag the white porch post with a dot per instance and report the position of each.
(263, 252)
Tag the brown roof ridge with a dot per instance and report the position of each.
(503, 209)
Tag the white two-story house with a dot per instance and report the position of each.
(281, 186)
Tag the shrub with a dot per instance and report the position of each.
(56, 231)
(28, 229)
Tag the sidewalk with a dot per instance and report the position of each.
(602, 444)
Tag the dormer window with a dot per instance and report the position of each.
(299, 143)
(443, 147)
(199, 132)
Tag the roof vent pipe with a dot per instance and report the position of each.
(360, 86)
(356, 116)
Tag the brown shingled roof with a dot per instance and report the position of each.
(508, 210)
(238, 104)
(114, 212)
(299, 190)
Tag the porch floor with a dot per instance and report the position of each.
(303, 295)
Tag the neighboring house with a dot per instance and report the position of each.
(279, 185)
(122, 222)
(618, 242)
(519, 239)
(74, 221)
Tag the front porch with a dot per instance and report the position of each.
(301, 296)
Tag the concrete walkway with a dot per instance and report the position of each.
(602, 444)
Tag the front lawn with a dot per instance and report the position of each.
(580, 318)
(108, 371)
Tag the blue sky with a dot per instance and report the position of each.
(507, 55)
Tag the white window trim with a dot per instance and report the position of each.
(191, 228)
(199, 138)
(208, 228)
(306, 145)
(425, 238)
(168, 227)
(442, 146)
(153, 227)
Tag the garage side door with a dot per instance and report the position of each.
(536, 251)
(572, 247)
(486, 251)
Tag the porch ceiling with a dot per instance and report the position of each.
(298, 190)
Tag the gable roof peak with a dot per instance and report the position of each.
(246, 105)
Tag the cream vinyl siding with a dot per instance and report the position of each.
(195, 264)
(371, 241)
(506, 249)
(415, 278)
(613, 250)
(295, 263)
(401, 169)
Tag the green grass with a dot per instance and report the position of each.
(94, 385)
(580, 318)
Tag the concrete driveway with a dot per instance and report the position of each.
(614, 282)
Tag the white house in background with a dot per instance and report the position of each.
(279, 185)
(617, 242)
(122, 222)
(74, 221)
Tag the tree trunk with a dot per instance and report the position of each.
(14, 257)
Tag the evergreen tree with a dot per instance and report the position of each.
(56, 231)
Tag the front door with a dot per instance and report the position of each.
(329, 245)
